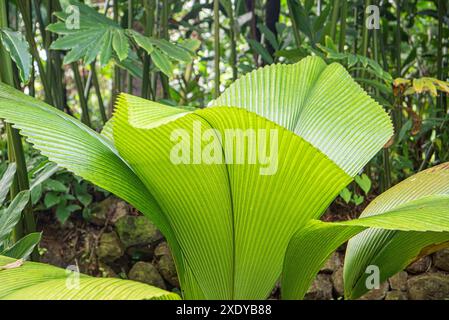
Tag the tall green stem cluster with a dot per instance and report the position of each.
(15, 148)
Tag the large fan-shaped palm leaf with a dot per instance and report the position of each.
(228, 225)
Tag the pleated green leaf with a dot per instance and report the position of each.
(319, 102)
(392, 251)
(237, 230)
(38, 281)
(250, 229)
(6, 181)
(229, 223)
(311, 246)
(76, 147)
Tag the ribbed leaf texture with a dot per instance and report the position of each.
(320, 103)
(407, 221)
(228, 224)
(394, 250)
(37, 281)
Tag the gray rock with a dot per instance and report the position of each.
(109, 209)
(420, 266)
(399, 281)
(321, 288)
(396, 295)
(441, 259)
(332, 264)
(432, 286)
(147, 273)
(137, 230)
(337, 280)
(166, 264)
(107, 271)
(376, 294)
(162, 249)
(110, 247)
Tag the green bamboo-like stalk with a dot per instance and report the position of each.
(386, 176)
(397, 116)
(150, 10)
(15, 148)
(164, 35)
(398, 39)
(365, 35)
(334, 19)
(85, 118)
(217, 47)
(295, 28)
(232, 33)
(130, 26)
(440, 108)
(116, 84)
(356, 28)
(343, 24)
(96, 84)
(25, 11)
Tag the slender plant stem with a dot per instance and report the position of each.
(130, 26)
(232, 34)
(15, 148)
(365, 35)
(440, 108)
(96, 84)
(116, 85)
(150, 9)
(398, 38)
(85, 118)
(294, 24)
(343, 24)
(27, 20)
(356, 28)
(334, 19)
(217, 47)
(397, 116)
(164, 35)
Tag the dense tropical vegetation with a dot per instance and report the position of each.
(95, 95)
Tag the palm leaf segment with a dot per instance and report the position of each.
(228, 225)
(404, 223)
(37, 281)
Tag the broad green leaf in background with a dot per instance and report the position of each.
(346, 195)
(38, 281)
(142, 41)
(258, 48)
(15, 43)
(172, 50)
(120, 44)
(24, 247)
(6, 181)
(363, 182)
(162, 62)
(99, 35)
(10, 217)
(403, 223)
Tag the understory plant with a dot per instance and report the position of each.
(233, 231)
(10, 217)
